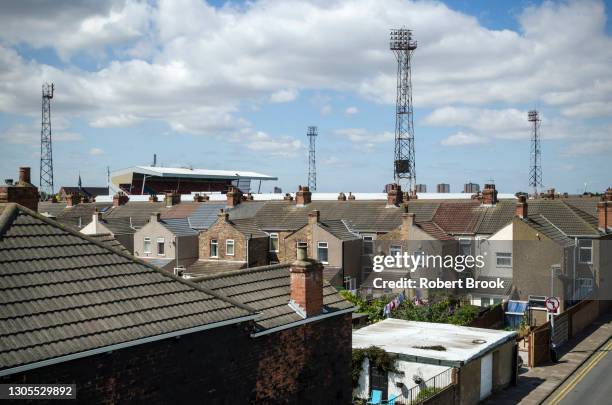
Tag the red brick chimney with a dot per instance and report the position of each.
(604, 216)
(608, 194)
(341, 196)
(489, 195)
(23, 193)
(306, 285)
(234, 196)
(72, 200)
(120, 199)
(303, 196)
(521, 207)
(550, 193)
(394, 195)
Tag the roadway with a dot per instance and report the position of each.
(591, 384)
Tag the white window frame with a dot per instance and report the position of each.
(163, 242)
(300, 244)
(146, 241)
(214, 242)
(585, 248)
(394, 250)
(497, 257)
(228, 243)
(323, 245)
(368, 240)
(274, 235)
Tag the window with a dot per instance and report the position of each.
(368, 245)
(585, 288)
(350, 283)
(147, 245)
(302, 244)
(214, 248)
(160, 247)
(322, 252)
(273, 242)
(229, 247)
(485, 301)
(504, 259)
(395, 250)
(585, 254)
(465, 248)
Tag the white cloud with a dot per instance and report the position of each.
(112, 121)
(460, 139)
(284, 96)
(30, 135)
(589, 110)
(281, 146)
(361, 135)
(351, 111)
(96, 151)
(194, 66)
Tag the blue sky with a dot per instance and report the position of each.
(235, 85)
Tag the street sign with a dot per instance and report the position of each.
(552, 304)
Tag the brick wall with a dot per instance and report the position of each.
(308, 364)
(222, 231)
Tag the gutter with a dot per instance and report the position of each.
(303, 322)
(119, 346)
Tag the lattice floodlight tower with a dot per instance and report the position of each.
(535, 171)
(312, 169)
(402, 45)
(46, 151)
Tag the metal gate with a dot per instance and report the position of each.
(379, 380)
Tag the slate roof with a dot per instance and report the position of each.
(64, 293)
(204, 215)
(76, 216)
(434, 230)
(110, 241)
(118, 226)
(562, 216)
(138, 211)
(248, 226)
(496, 217)
(543, 225)
(178, 226)
(51, 208)
(268, 290)
(210, 267)
(339, 229)
(458, 217)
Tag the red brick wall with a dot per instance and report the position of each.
(308, 364)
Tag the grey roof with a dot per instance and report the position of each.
(268, 290)
(63, 293)
(495, 218)
(562, 216)
(205, 215)
(139, 212)
(543, 225)
(210, 267)
(246, 209)
(248, 226)
(51, 208)
(118, 226)
(339, 229)
(88, 191)
(76, 216)
(178, 226)
(110, 241)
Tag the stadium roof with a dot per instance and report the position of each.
(192, 173)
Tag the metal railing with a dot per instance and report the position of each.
(426, 389)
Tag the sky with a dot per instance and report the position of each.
(234, 85)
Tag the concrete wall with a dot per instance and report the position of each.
(469, 383)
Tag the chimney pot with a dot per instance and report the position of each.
(604, 216)
(223, 215)
(234, 196)
(351, 197)
(314, 216)
(394, 195)
(521, 207)
(120, 199)
(341, 196)
(489, 195)
(24, 194)
(303, 196)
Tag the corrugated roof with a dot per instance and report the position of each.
(268, 290)
(63, 293)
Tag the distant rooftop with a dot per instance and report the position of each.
(193, 173)
(409, 338)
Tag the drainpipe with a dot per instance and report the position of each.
(574, 272)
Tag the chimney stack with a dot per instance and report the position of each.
(521, 207)
(156, 217)
(24, 175)
(550, 193)
(604, 215)
(23, 193)
(120, 199)
(71, 200)
(351, 197)
(306, 285)
(234, 196)
(407, 223)
(153, 198)
(303, 196)
(489, 195)
(313, 217)
(394, 195)
(608, 194)
(288, 197)
(341, 196)
(223, 215)
(172, 198)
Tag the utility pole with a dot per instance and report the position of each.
(402, 45)
(46, 151)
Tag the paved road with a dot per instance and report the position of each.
(590, 384)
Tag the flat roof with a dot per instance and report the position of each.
(193, 173)
(407, 338)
